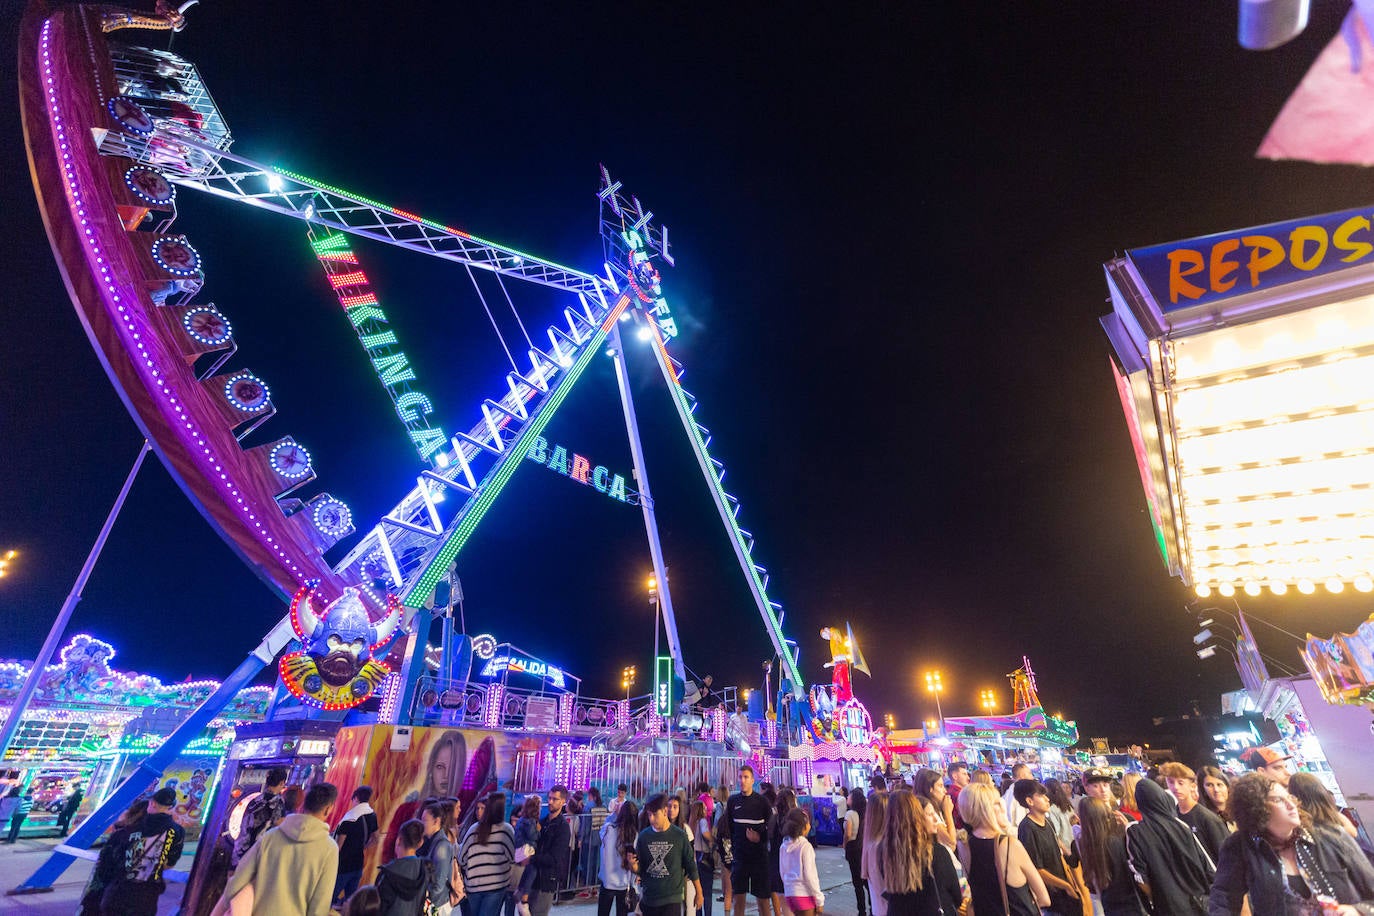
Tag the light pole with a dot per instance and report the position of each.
(653, 599)
(987, 699)
(627, 679)
(935, 685)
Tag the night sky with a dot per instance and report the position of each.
(889, 223)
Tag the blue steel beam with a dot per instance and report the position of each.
(151, 768)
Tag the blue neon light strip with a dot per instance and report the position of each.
(491, 486)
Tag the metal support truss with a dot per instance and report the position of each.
(186, 159)
(728, 506)
(411, 548)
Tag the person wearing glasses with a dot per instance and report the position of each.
(1286, 865)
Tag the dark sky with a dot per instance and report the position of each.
(889, 223)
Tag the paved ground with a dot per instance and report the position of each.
(17, 862)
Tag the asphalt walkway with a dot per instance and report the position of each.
(19, 861)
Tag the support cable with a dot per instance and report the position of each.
(511, 303)
(491, 318)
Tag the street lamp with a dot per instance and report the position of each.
(627, 679)
(653, 599)
(934, 685)
(5, 560)
(987, 699)
(891, 722)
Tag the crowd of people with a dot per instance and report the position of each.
(1170, 842)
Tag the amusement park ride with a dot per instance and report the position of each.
(114, 133)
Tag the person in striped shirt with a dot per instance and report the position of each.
(486, 858)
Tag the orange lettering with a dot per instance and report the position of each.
(1342, 241)
(581, 469)
(1222, 268)
(1271, 257)
(1298, 240)
(1184, 262)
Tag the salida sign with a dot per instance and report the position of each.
(1214, 267)
(573, 466)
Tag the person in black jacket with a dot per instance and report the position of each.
(750, 823)
(1206, 826)
(139, 855)
(403, 883)
(552, 853)
(1277, 858)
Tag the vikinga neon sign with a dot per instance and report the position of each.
(573, 466)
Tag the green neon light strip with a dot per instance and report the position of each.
(496, 480)
(305, 179)
(704, 457)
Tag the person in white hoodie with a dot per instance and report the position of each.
(801, 884)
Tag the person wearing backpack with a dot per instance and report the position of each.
(446, 885)
(140, 854)
(404, 883)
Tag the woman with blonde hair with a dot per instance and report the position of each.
(1129, 805)
(905, 855)
(982, 777)
(1001, 876)
(875, 820)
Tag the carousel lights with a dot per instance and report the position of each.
(247, 392)
(123, 109)
(149, 185)
(162, 249)
(333, 517)
(290, 459)
(205, 324)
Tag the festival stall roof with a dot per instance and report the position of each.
(1245, 365)
(1028, 725)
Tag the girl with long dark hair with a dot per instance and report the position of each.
(618, 836)
(487, 857)
(1101, 849)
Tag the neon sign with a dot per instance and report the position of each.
(556, 458)
(663, 685)
(644, 281)
(550, 673)
(392, 366)
(1201, 270)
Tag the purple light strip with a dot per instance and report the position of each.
(110, 292)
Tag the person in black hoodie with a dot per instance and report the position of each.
(403, 883)
(552, 854)
(139, 854)
(1169, 863)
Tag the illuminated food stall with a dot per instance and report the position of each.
(1245, 365)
